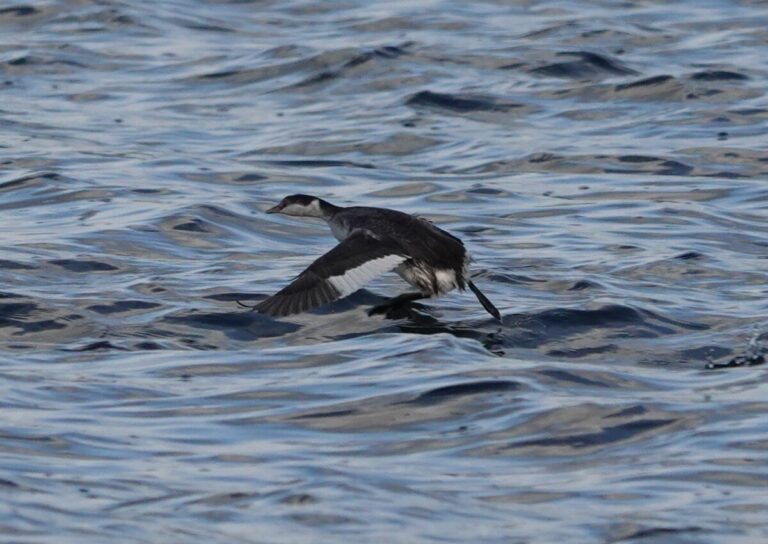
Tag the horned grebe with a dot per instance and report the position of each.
(373, 241)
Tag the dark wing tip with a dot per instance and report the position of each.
(283, 304)
(272, 306)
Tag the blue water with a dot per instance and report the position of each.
(604, 162)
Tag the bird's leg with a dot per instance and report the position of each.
(392, 303)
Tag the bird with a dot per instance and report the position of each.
(372, 241)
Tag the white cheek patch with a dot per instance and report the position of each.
(314, 209)
(354, 278)
(292, 209)
(298, 210)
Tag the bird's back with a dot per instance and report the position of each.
(421, 240)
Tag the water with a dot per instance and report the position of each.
(605, 162)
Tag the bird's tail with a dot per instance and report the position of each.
(487, 304)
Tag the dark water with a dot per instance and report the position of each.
(605, 162)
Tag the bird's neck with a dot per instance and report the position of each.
(328, 210)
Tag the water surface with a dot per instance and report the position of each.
(604, 162)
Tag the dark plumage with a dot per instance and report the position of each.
(373, 241)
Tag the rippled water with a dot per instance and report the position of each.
(604, 161)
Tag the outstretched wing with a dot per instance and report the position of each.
(340, 272)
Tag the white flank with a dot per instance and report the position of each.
(446, 280)
(354, 278)
(338, 230)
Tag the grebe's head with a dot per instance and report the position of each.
(301, 206)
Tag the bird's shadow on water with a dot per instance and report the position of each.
(414, 317)
(518, 330)
(242, 325)
(417, 318)
(564, 333)
(522, 330)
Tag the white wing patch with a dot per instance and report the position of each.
(354, 278)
